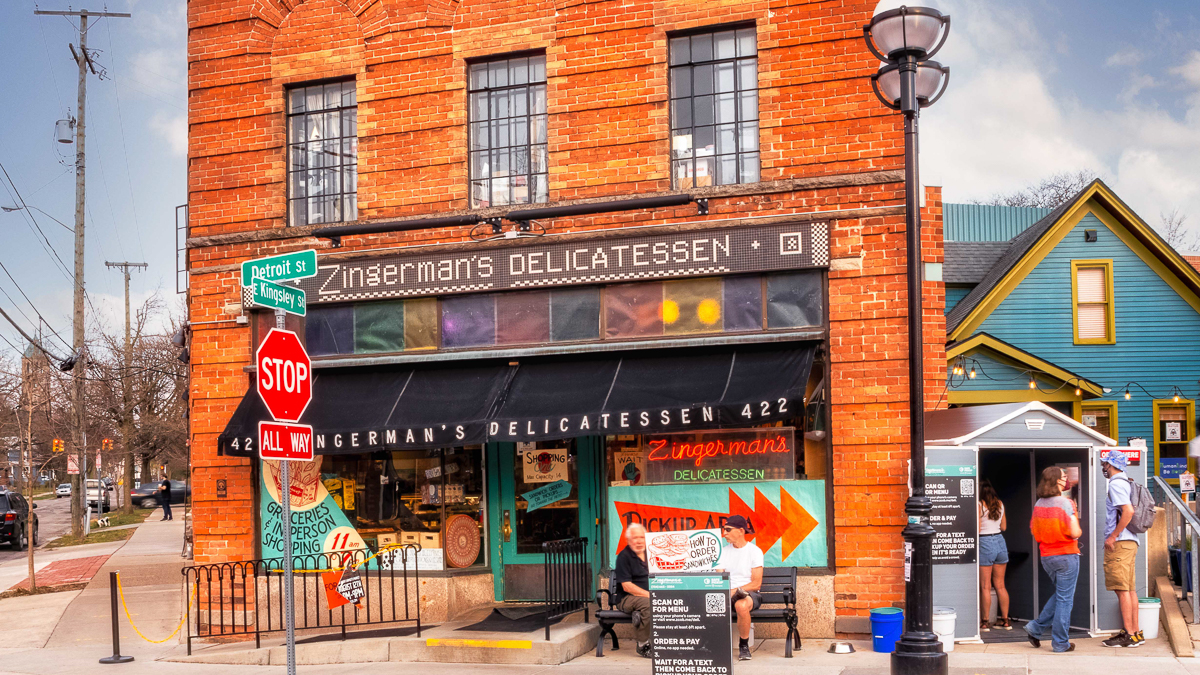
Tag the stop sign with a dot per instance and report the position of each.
(284, 375)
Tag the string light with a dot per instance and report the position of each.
(972, 375)
(1078, 391)
(1032, 384)
(1127, 396)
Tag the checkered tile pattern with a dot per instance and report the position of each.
(820, 244)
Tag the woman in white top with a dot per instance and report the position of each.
(993, 556)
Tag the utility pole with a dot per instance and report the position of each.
(126, 393)
(84, 61)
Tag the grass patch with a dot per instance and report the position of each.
(116, 518)
(40, 590)
(96, 537)
(44, 495)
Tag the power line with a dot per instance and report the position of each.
(31, 305)
(29, 213)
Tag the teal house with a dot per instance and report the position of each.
(1083, 307)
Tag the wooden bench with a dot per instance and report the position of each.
(778, 588)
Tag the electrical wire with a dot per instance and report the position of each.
(27, 212)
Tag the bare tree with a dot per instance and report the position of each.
(1173, 228)
(1049, 193)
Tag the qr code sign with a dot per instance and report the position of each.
(966, 487)
(714, 603)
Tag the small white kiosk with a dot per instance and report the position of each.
(1009, 445)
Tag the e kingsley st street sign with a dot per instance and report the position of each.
(269, 294)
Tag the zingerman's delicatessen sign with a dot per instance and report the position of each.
(695, 399)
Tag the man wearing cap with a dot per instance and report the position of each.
(1120, 548)
(744, 562)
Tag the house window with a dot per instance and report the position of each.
(1101, 418)
(507, 117)
(1092, 297)
(322, 135)
(714, 108)
(1174, 426)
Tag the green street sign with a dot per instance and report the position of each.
(270, 294)
(298, 265)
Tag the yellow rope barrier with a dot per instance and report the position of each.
(121, 592)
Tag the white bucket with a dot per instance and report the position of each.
(944, 619)
(1148, 611)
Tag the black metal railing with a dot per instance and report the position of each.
(245, 598)
(568, 578)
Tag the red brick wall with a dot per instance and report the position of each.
(607, 95)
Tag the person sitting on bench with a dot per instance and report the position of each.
(633, 585)
(744, 562)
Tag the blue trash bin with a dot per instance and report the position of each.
(887, 624)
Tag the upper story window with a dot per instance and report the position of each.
(508, 159)
(714, 108)
(322, 136)
(1092, 300)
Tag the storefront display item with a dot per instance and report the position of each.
(462, 541)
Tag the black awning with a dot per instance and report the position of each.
(394, 409)
(356, 411)
(644, 392)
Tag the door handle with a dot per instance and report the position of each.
(506, 529)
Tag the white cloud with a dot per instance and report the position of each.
(173, 129)
(1001, 126)
(1125, 57)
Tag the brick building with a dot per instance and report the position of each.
(741, 195)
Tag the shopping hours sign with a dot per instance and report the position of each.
(284, 375)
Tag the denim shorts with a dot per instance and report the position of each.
(992, 550)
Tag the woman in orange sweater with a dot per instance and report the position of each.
(1055, 527)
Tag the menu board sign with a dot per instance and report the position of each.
(954, 518)
(690, 624)
(724, 456)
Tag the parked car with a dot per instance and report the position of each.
(94, 498)
(146, 495)
(14, 512)
(63, 490)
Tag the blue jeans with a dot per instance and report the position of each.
(1056, 615)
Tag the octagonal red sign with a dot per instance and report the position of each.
(284, 375)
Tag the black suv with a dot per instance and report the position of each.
(14, 511)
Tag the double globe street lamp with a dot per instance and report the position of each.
(906, 39)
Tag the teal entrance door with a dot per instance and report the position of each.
(516, 533)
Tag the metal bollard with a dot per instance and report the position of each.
(116, 624)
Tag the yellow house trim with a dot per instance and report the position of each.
(1110, 312)
(1023, 358)
(979, 397)
(1090, 201)
(1191, 431)
(1111, 406)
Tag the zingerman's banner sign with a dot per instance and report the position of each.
(652, 256)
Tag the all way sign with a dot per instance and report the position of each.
(290, 442)
(298, 265)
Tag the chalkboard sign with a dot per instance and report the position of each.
(691, 632)
(955, 517)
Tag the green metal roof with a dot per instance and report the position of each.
(979, 222)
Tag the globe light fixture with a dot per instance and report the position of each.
(905, 40)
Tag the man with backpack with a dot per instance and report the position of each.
(1121, 546)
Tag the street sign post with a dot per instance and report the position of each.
(297, 265)
(285, 386)
(270, 294)
(284, 375)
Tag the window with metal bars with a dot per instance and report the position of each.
(322, 135)
(507, 118)
(714, 108)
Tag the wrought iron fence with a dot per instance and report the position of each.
(568, 578)
(246, 597)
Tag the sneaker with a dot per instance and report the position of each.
(637, 618)
(1121, 639)
(1136, 640)
(1070, 648)
(644, 650)
(743, 652)
(1037, 644)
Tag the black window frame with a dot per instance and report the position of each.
(537, 179)
(745, 129)
(347, 180)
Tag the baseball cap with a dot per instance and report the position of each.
(739, 522)
(1116, 459)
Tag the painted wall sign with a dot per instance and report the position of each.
(788, 516)
(741, 455)
(547, 495)
(318, 524)
(544, 466)
(650, 256)
(687, 551)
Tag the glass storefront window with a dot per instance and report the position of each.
(536, 467)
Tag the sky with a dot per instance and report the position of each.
(1037, 87)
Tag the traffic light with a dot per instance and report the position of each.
(106, 444)
(57, 445)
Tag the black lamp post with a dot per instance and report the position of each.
(905, 39)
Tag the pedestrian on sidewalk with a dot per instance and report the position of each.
(164, 498)
(1120, 548)
(632, 576)
(743, 560)
(993, 556)
(1055, 527)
